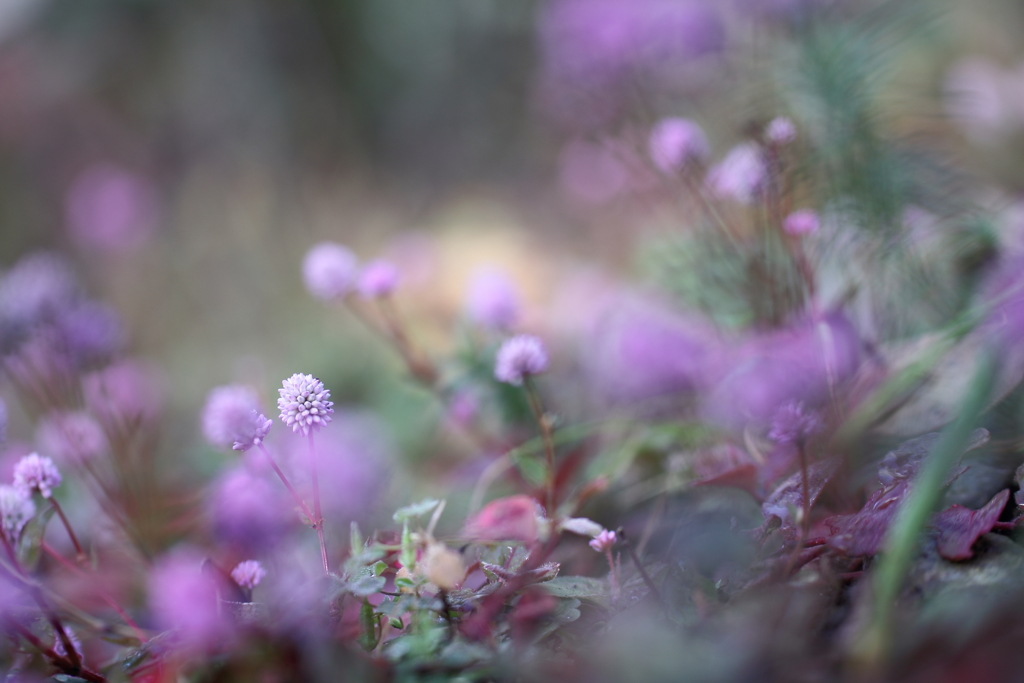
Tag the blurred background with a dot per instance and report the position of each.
(185, 155)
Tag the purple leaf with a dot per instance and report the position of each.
(862, 533)
(960, 527)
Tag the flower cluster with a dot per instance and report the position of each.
(520, 357)
(304, 403)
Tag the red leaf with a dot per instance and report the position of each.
(513, 518)
(862, 532)
(959, 527)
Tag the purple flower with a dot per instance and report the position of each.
(780, 131)
(16, 508)
(181, 598)
(91, 333)
(36, 287)
(231, 418)
(304, 403)
(519, 357)
(675, 143)
(248, 512)
(378, 278)
(492, 300)
(71, 437)
(248, 574)
(793, 423)
(329, 271)
(110, 208)
(741, 175)
(800, 223)
(35, 473)
(604, 541)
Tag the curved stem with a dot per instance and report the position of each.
(316, 505)
(287, 484)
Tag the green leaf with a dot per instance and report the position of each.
(533, 468)
(369, 634)
(365, 586)
(416, 510)
(576, 587)
(379, 568)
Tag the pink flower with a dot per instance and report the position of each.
(16, 508)
(35, 473)
(248, 574)
(674, 143)
(182, 598)
(519, 357)
(304, 403)
(604, 541)
(802, 222)
(741, 175)
(231, 418)
(124, 394)
(329, 271)
(780, 131)
(111, 208)
(71, 437)
(492, 300)
(378, 278)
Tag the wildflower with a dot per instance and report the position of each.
(35, 287)
(111, 209)
(675, 143)
(802, 222)
(741, 175)
(231, 418)
(247, 512)
(248, 574)
(182, 598)
(377, 278)
(604, 541)
(36, 473)
(519, 357)
(16, 508)
(329, 271)
(91, 333)
(492, 300)
(304, 403)
(780, 131)
(72, 436)
(793, 423)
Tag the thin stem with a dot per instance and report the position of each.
(533, 398)
(67, 526)
(316, 505)
(613, 578)
(63, 663)
(621, 535)
(103, 595)
(805, 520)
(288, 485)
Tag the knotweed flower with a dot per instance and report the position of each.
(377, 278)
(231, 418)
(304, 403)
(604, 541)
(492, 300)
(780, 131)
(802, 222)
(16, 508)
(91, 333)
(183, 598)
(35, 287)
(519, 357)
(71, 437)
(247, 512)
(36, 473)
(329, 271)
(248, 574)
(741, 175)
(675, 143)
(792, 423)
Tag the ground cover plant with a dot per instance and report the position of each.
(783, 443)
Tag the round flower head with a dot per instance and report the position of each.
(675, 143)
(231, 418)
(518, 357)
(377, 278)
(35, 473)
(16, 508)
(248, 574)
(329, 271)
(604, 541)
(35, 287)
(741, 175)
(492, 300)
(780, 131)
(802, 222)
(304, 403)
(793, 423)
